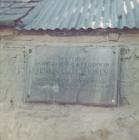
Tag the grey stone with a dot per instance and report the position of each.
(125, 53)
(136, 53)
(77, 75)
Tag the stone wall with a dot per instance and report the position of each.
(24, 121)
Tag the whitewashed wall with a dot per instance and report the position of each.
(22, 121)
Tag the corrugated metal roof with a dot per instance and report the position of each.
(11, 10)
(83, 14)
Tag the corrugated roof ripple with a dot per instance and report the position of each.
(83, 14)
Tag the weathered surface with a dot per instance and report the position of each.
(79, 75)
(24, 121)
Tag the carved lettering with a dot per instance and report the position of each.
(58, 73)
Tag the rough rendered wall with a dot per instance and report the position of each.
(22, 121)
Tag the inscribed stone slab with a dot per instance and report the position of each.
(76, 75)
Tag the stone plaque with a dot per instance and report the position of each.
(75, 75)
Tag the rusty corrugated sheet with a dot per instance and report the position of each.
(83, 14)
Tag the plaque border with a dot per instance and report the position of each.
(117, 74)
